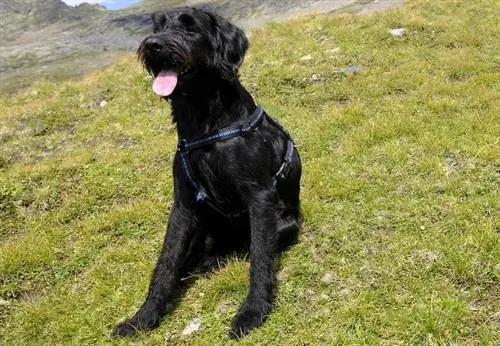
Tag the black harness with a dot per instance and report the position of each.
(184, 147)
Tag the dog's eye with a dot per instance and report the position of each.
(186, 20)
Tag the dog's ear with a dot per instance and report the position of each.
(230, 45)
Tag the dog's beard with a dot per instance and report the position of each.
(167, 67)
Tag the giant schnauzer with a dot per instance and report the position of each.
(236, 171)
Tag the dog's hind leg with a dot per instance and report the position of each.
(183, 238)
(263, 232)
(288, 230)
(289, 218)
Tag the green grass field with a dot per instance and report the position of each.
(400, 190)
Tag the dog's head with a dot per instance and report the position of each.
(186, 41)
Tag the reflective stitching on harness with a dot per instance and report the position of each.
(224, 133)
(184, 147)
(200, 193)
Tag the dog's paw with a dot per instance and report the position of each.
(135, 325)
(124, 329)
(246, 320)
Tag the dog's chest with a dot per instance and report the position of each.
(218, 171)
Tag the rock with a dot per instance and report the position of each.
(103, 103)
(399, 32)
(351, 69)
(451, 166)
(224, 308)
(314, 78)
(282, 275)
(327, 279)
(333, 51)
(344, 291)
(307, 57)
(429, 256)
(322, 39)
(168, 337)
(475, 306)
(192, 327)
(426, 258)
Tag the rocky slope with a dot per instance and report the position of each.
(50, 39)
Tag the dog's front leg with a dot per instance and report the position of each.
(182, 237)
(258, 304)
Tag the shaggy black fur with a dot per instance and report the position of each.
(206, 51)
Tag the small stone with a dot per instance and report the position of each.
(451, 166)
(224, 308)
(323, 38)
(103, 103)
(192, 327)
(168, 337)
(475, 306)
(422, 227)
(351, 69)
(307, 57)
(427, 257)
(282, 275)
(344, 291)
(333, 51)
(399, 32)
(324, 296)
(315, 77)
(327, 279)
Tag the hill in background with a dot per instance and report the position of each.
(49, 39)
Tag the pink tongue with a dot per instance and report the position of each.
(165, 83)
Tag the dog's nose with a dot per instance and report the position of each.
(153, 43)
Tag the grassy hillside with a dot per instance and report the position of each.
(400, 143)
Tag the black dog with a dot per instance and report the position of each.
(236, 172)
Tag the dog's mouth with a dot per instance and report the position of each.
(167, 79)
(165, 82)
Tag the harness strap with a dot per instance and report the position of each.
(201, 194)
(286, 166)
(184, 147)
(223, 134)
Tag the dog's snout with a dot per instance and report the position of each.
(153, 44)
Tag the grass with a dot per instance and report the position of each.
(400, 190)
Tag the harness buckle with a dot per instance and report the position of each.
(201, 196)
